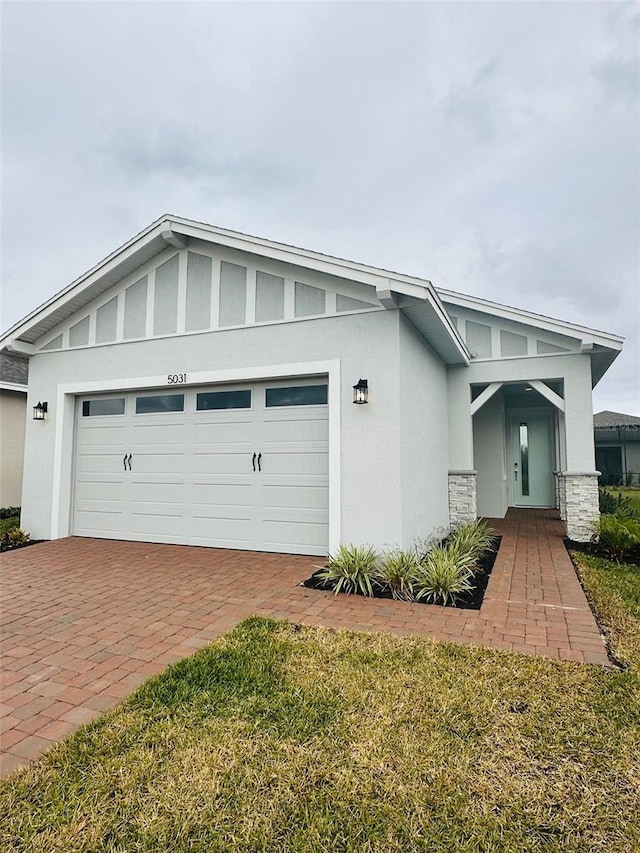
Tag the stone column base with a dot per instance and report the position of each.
(578, 503)
(462, 497)
(561, 494)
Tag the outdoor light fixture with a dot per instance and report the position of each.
(40, 411)
(361, 392)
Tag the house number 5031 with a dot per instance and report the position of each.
(176, 378)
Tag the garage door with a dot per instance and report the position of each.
(223, 466)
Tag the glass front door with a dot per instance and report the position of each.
(531, 458)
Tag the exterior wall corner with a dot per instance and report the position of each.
(462, 497)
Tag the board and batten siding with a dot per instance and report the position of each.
(193, 291)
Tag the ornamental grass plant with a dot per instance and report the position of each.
(437, 573)
(397, 573)
(443, 576)
(351, 569)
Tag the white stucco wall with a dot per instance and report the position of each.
(366, 344)
(631, 452)
(459, 419)
(424, 439)
(489, 442)
(12, 427)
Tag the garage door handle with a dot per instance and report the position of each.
(259, 458)
(129, 461)
(254, 461)
(124, 461)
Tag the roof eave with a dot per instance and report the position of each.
(176, 232)
(585, 334)
(13, 338)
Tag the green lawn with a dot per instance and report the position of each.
(614, 591)
(280, 738)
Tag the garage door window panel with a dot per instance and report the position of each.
(160, 403)
(297, 395)
(104, 406)
(216, 400)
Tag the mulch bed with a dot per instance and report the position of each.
(471, 600)
(596, 550)
(4, 548)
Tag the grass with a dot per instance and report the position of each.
(282, 738)
(614, 591)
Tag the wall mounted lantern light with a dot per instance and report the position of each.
(361, 392)
(40, 411)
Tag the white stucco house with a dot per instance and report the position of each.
(14, 372)
(617, 440)
(199, 389)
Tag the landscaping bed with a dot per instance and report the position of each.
(467, 600)
(595, 549)
(15, 546)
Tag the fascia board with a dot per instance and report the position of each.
(441, 313)
(548, 324)
(292, 255)
(248, 243)
(13, 386)
(102, 268)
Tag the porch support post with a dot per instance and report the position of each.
(462, 476)
(578, 484)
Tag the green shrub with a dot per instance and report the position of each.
(442, 578)
(617, 535)
(397, 573)
(351, 569)
(7, 524)
(610, 504)
(14, 538)
(9, 512)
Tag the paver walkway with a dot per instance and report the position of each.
(85, 621)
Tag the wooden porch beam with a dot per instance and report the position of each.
(547, 393)
(485, 396)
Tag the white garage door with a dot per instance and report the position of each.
(224, 466)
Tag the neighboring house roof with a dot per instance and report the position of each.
(14, 372)
(607, 420)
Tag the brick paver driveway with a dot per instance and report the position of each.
(85, 621)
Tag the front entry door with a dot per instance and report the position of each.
(531, 458)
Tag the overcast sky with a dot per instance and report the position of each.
(493, 148)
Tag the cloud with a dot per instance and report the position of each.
(492, 148)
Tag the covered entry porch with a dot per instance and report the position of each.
(525, 448)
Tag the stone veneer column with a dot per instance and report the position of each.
(561, 494)
(462, 497)
(581, 507)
